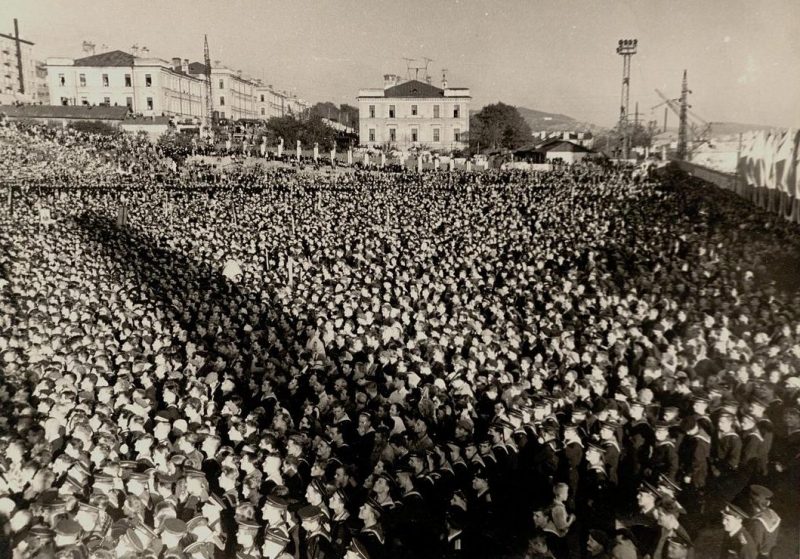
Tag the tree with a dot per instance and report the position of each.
(498, 126)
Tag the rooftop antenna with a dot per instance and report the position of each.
(427, 63)
(135, 49)
(88, 47)
(409, 66)
(145, 51)
(444, 78)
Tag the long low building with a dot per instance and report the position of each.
(154, 87)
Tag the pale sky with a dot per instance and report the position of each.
(743, 56)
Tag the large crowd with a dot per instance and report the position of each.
(580, 363)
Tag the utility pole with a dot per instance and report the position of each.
(625, 48)
(683, 128)
(209, 93)
(19, 57)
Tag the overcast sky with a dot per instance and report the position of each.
(552, 55)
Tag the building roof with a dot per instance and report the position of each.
(14, 38)
(111, 58)
(562, 146)
(413, 88)
(74, 112)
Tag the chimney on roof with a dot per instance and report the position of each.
(390, 80)
(185, 66)
(176, 63)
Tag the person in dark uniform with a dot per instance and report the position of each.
(664, 460)
(608, 438)
(738, 543)
(317, 541)
(595, 505)
(343, 526)
(694, 454)
(764, 523)
(571, 464)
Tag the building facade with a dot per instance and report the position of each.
(147, 86)
(273, 103)
(234, 95)
(414, 114)
(16, 52)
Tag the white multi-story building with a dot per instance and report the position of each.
(414, 114)
(147, 86)
(273, 103)
(233, 94)
(14, 52)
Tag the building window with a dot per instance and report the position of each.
(372, 111)
(149, 103)
(129, 102)
(456, 111)
(105, 80)
(62, 80)
(82, 80)
(64, 101)
(127, 80)
(84, 101)
(414, 135)
(148, 80)
(392, 134)
(262, 98)
(457, 135)
(107, 101)
(391, 111)
(436, 111)
(413, 111)
(263, 112)
(222, 101)
(371, 134)
(222, 84)
(435, 134)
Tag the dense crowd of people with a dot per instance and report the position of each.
(579, 363)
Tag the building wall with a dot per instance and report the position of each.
(9, 73)
(404, 122)
(234, 96)
(147, 88)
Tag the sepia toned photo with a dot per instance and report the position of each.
(452, 279)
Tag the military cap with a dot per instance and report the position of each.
(671, 506)
(374, 505)
(597, 448)
(403, 468)
(732, 510)
(647, 487)
(309, 512)
(600, 537)
(68, 527)
(277, 534)
(276, 501)
(700, 399)
(41, 532)
(319, 487)
(668, 486)
(660, 424)
(760, 491)
(358, 548)
(199, 550)
(174, 526)
(247, 527)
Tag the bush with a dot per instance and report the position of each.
(95, 127)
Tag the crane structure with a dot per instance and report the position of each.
(209, 95)
(696, 130)
(625, 48)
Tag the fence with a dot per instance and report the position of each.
(768, 173)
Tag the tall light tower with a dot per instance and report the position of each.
(626, 48)
(683, 126)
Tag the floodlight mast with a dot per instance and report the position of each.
(625, 48)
